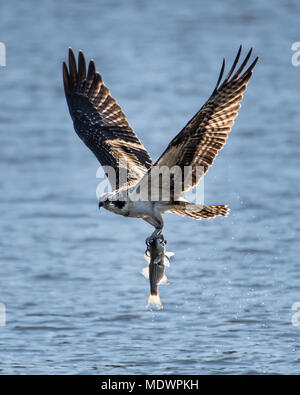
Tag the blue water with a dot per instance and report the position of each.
(70, 275)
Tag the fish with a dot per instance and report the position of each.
(158, 260)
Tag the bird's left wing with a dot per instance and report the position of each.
(101, 124)
(194, 149)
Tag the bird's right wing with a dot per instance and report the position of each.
(101, 124)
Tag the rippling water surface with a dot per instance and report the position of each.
(70, 276)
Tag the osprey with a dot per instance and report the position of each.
(101, 124)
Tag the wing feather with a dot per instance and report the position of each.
(199, 142)
(101, 124)
(206, 133)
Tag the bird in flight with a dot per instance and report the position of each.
(139, 188)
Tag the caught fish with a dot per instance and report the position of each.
(158, 260)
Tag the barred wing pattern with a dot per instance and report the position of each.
(206, 133)
(101, 124)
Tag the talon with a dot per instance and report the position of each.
(155, 235)
(148, 241)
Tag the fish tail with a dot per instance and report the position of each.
(155, 300)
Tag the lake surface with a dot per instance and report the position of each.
(70, 275)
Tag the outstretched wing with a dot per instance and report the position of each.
(194, 149)
(101, 124)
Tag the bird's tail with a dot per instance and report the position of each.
(198, 211)
(154, 299)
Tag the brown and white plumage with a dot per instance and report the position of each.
(199, 142)
(101, 124)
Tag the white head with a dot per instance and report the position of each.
(111, 202)
(106, 200)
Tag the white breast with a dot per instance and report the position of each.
(139, 209)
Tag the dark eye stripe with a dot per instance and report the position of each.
(119, 204)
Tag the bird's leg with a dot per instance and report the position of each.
(156, 234)
(158, 223)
